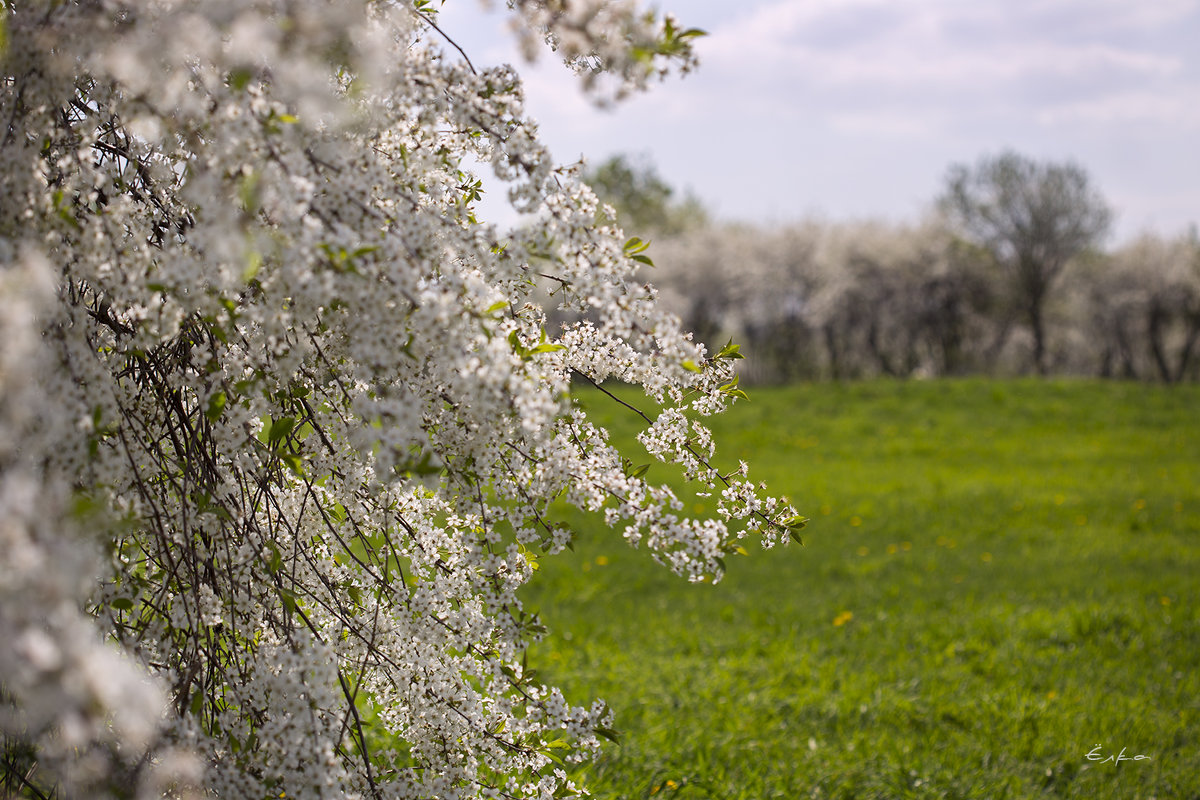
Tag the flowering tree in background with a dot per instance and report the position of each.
(282, 428)
(835, 300)
(1142, 306)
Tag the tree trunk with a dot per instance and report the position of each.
(1189, 347)
(832, 348)
(1038, 326)
(1155, 322)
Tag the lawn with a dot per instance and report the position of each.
(999, 580)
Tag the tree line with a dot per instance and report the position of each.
(1007, 276)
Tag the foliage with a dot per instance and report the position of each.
(999, 576)
(642, 200)
(281, 422)
(1031, 218)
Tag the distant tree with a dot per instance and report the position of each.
(894, 302)
(760, 303)
(1030, 219)
(818, 299)
(1143, 305)
(644, 202)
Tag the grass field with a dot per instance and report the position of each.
(999, 579)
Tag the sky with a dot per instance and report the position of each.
(855, 109)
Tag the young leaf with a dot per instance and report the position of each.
(635, 246)
(216, 404)
(608, 733)
(730, 350)
(280, 428)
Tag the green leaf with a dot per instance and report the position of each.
(730, 389)
(639, 471)
(239, 79)
(608, 733)
(121, 604)
(63, 207)
(517, 347)
(216, 405)
(635, 247)
(795, 523)
(254, 263)
(294, 463)
(281, 428)
(690, 366)
(730, 350)
(275, 562)
(248, 192)
(289, 600)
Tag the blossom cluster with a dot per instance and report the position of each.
(282, 427)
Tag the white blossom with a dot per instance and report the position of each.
(282, 425)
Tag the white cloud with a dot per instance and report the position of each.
(885, 123)
(857, 106)
(861, 65)
(1174, 109)
(921, 40)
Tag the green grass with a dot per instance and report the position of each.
(998, 577)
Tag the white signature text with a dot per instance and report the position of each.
(1096, 754)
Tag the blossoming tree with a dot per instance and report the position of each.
(282, 427)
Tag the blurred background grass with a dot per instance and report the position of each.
(999, 576)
